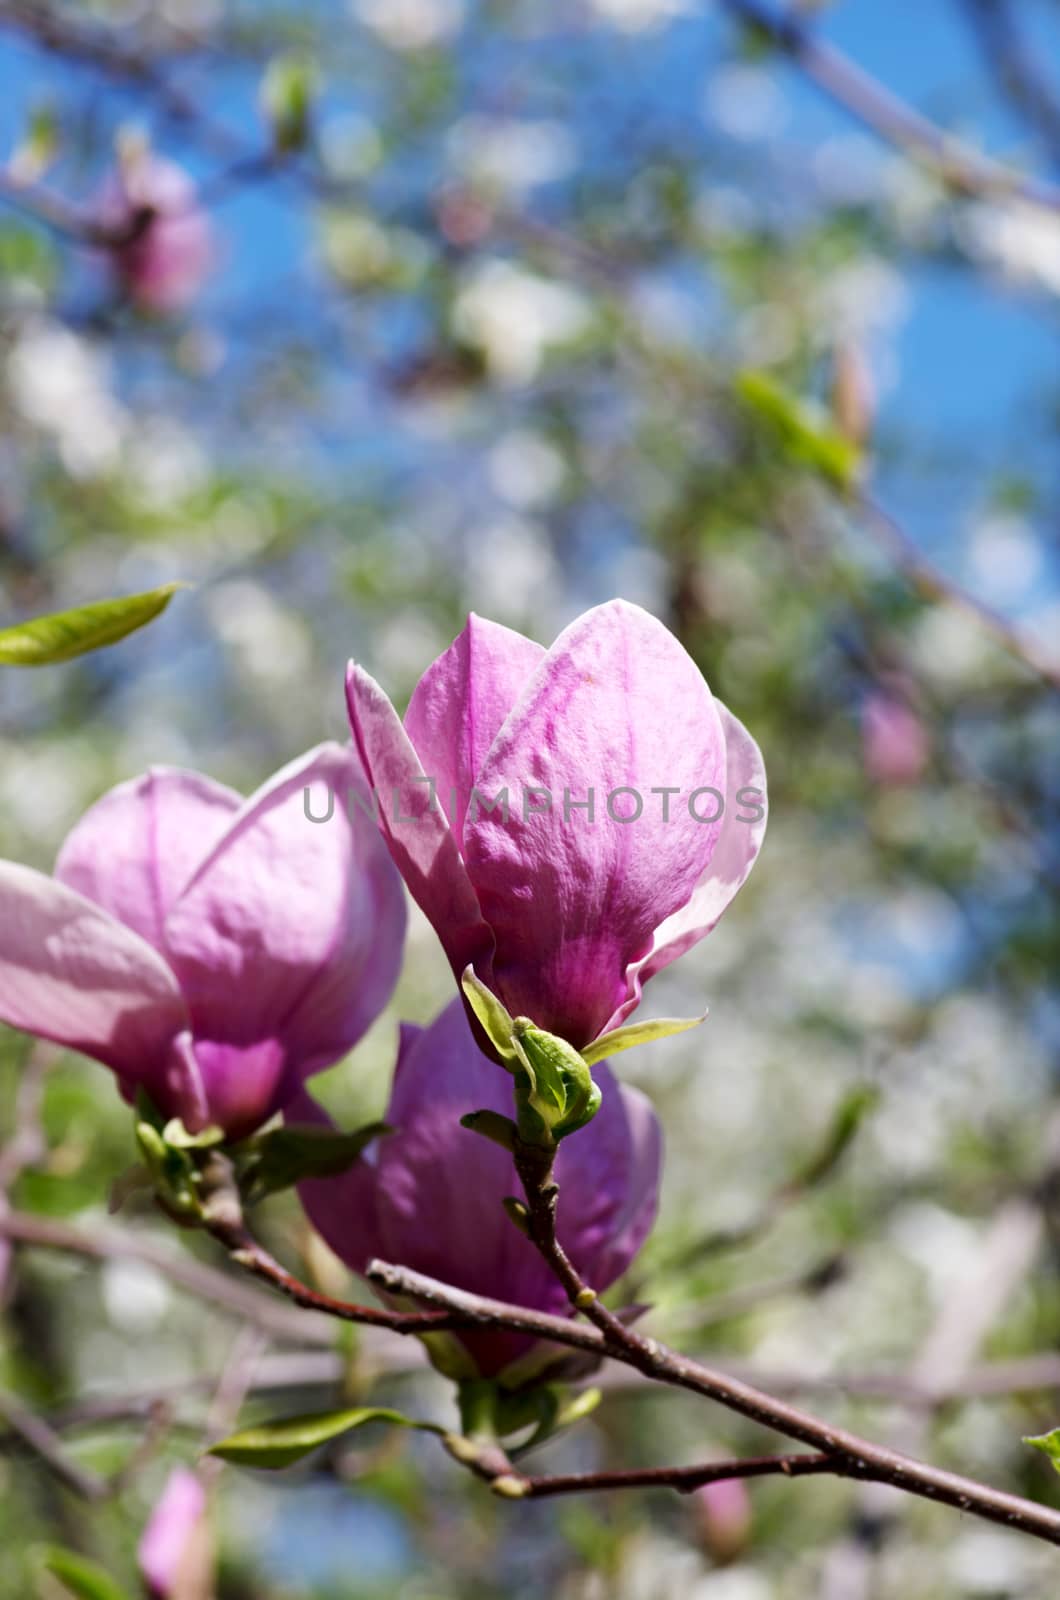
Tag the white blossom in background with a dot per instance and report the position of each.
(59, 383)
(411, 24)
(508, 157)
(165, 463)
(512, 573)
(1005, 559)
(639, 16)
(270, 644)
(865, 297)
(1020, 241)
(136, 1296)
(525, 470)
(514, 316)
(745, 102)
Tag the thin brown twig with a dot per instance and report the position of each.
(684, 1479)
(876, 107)
(851, 1455)
(47, 1446)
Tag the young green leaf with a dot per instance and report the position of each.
(797, 432)
(79, 1576)
(492, 1125)
(851, 1112)
(1048, 1443)
(284, 1156)
(272, 1445)
(64, 634)
(635, 1033)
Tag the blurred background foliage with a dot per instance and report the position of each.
(514, 307)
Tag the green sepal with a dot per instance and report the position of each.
(62, 635)
(83, 1579)
(172, 1174)
(177, 1136)
(492, 1125)
(273, 1445)
(282, 1157)
(634, 1033)
(1048, 1443)
(496, 1021)
(562, 1092)
(554, 1089)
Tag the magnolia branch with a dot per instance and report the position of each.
(877, 108)
(846, 1454)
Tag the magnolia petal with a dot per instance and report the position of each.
(71, 973)
(136, 848)
(616, 705)
(168, 1547)
(421, 843)
(432, 1167)
(729, 867)
(460, 703)
(634, 1217)
(291, 930)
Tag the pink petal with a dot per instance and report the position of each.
(291, 930)
(431, 1194)
(72, 974)
(173, 1526)
(460, 703)
(616, 703)
(136, 848)
(419, 837)
(728, 869)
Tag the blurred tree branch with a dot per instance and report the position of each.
(961, 168)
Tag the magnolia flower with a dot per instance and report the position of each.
(174, 1554)
(210, 950)
(430, 1194)
(570, 820)
(169, 251)
(895, 742)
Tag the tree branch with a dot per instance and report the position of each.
(875, 107)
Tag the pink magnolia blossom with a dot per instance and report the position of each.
(170, 250)
(430, 1194)
(170, 1549)
(565, 912)
(895, 741)
(211, 950)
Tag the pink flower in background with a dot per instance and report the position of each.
(170, 250)
(563, 914)
(895, 742)
(211, 950)
(722, 1514)
(430, 1194)
(174, 1554)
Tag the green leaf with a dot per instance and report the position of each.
(579, 1407)
(272, 1445)
(1049, 1443)
(850, 1114)
(492, 1125)
(496, 1021)
(638, 1033)
(80, 1576)
(65, 634)
(804, 438)
(284, 1156)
